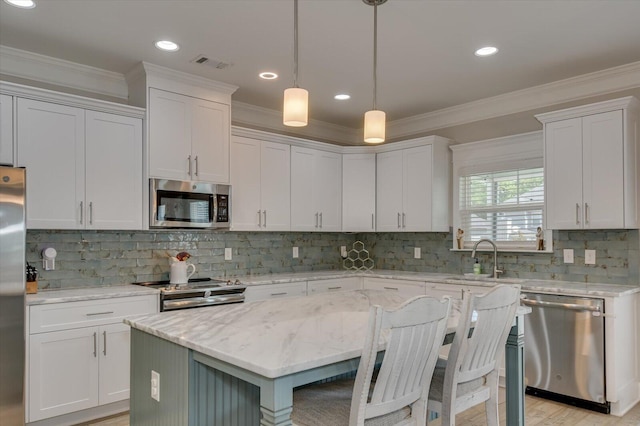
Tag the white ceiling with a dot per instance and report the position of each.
(425, 48)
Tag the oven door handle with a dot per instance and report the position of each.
(191, 302)
(569, 306)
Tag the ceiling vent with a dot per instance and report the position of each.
(211, 62)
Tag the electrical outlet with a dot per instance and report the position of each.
(155, 385)
(589, 257)
(568, 255)
(295, 252)
(416, 253)
(228, 253)
(343, 251)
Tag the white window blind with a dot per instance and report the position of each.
(505, 206)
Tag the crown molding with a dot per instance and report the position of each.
(571, 89)
(33, 66)
(270, 120)
(524, 146)
(596, 108)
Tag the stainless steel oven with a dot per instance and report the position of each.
(197, 293)
(185, 204)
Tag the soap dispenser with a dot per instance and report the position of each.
(477, 268)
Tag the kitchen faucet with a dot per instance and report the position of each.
(496, 271)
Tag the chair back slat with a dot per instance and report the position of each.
(415, 332)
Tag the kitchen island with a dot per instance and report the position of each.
(241, 362)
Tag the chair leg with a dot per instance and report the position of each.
(491, 405)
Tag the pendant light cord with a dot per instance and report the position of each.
(375, 51)
(295, 43)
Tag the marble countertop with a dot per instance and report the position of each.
(87, 293)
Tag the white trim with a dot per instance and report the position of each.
(67, 99)
(47, 69)
(583, 110)
(571, 89)
(524, 146)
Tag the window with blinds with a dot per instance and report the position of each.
(505, 206)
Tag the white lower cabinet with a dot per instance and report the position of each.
(78, 354)
(275, 291)
(334, 285)
(404, 288)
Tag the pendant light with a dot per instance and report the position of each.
(296, 100)
(374, 120)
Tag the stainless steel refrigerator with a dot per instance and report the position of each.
(12, 294)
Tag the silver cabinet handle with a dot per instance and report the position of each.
(404, 225)
(373, 221)
(316, 219)
(259, 218)
(320, 219)
(81, 211)
(586, 213)
(104, 337)
(334, 288)
(196, 165)
(398, 219)
(99, 313)
(95, 345)
(391, 288)
(279, 294)
(90, 212)
(264, 212)
(577, 214)
(189, 160)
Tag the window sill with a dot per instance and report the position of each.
(504, 250)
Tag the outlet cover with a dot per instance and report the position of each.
(589, 257)
(155, 385)
(343, 251)
(568, 255)
(295, 252)
(417, 253)
(228, 253)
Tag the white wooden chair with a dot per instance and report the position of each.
(470, 374)
(399, 394)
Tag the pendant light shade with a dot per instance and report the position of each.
(374, 126)
(374, 120)
(296, 100)
(296, 107)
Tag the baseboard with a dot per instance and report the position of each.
(83, 416)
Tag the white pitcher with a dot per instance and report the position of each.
(178, 273)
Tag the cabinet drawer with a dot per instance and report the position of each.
(68, 315)
(332, 285)
(403, 287)
(273, 291)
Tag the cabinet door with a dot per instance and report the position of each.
(327, 182)
(210, 127)
(603, 173)
(169, 135)
(50, 145)
(389, 191)
(304, 214)
(114, 363)
(563, 174)
(63, 372)
(6, 130)
(275, 179)
(334, 285)
(416, 189)
(245, 183)
(113, 171)
(358, 192)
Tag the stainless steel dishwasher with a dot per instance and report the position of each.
(564, 350)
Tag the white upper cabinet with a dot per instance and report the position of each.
(260, 178)
(188, 138)
(358, 192)
(413, 187)
(6, 129)
(84, 168)
(316, 190)
(591, 166)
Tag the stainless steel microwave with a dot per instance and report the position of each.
(184, 204)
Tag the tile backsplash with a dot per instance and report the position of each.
(88, 258)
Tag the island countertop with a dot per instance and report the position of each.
(308, 331)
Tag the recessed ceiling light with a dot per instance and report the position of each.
(268, 75)
(24, 4)
(486, 51)
(342, 97)
(167, 45)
